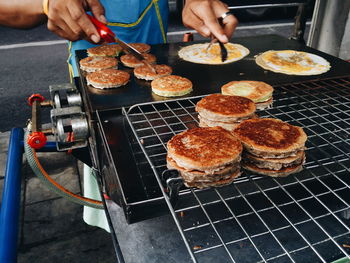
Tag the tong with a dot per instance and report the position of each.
(223, 50)
(107, 35)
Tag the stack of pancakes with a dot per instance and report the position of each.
(224, 111)
(205, 157)
(271, 147)
(258, 91)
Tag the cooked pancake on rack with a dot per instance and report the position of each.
(92, 64)
(112, 50)
(259, 92)
(224, 111)
(144, 72)
(107, 78)
(171, 86)
(205, 157)
(130, 61)
(141, 47)
(271, 147)
(292, 62)
(201, 54)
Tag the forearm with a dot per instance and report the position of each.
(21, 13)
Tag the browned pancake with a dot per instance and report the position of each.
(144, 72)
(171, 86)
(267, 137)
(192, 176)
(92, 64)
(141, 47)
(274, 163)
(204, 148)
(257, 91)
(108, 78)
(104, 50)
(225, 108)
(132, 62)
(225, 181)
(273, 173)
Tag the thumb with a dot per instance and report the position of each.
(97, 10)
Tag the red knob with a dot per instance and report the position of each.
(35, 97)
(36, 140)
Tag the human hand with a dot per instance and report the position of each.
(69, 20)
(202, 15)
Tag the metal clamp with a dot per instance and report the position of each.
(174, 182)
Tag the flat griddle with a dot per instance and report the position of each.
(207, 79)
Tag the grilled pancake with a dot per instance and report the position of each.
(144, 72)
(274, 163)
(204, 148)
(292, 62)
(199, 53)
(203, 122)
(104, 50)
(191, 176)
(264, 105)
(269, 137)
(218, 107)
(130, 61)
(92, 64)
(141, 47)
(107, 78)
(171, 86)
(222, 182)
(230, 126)
(273, 173)
(259, 92)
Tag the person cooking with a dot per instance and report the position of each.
(142, 21)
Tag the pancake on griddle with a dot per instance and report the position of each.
(112, 50)
(271, 146)
(203, 54)
(144, 72)
(205, 157)
(259, 92)
(107, 78)
(224, 111)
(131, 61)
(171, 86)
(92, 64)
(141, 47)
(292, 62)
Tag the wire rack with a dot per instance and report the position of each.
(301, 218)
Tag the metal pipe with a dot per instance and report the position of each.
(9, 213)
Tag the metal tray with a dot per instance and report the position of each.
(301, 218)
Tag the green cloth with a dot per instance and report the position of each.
(93, 216)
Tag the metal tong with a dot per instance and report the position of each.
(223, 50)
(107, 35)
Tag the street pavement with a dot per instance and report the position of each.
(52, 229)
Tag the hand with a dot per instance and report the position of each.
(69, 20)
(202, 15)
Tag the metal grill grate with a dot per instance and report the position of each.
(301, 218)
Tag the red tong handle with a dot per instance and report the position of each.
(105, 33)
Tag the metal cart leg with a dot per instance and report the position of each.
(9, 213)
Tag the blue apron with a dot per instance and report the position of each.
(140, 21)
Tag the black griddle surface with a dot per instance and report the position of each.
(208, 79)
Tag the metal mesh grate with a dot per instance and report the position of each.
(301, 218)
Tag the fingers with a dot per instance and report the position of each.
(97, 10)
(202, 15)
(230, 22)
(69, 20)
(79, 16)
